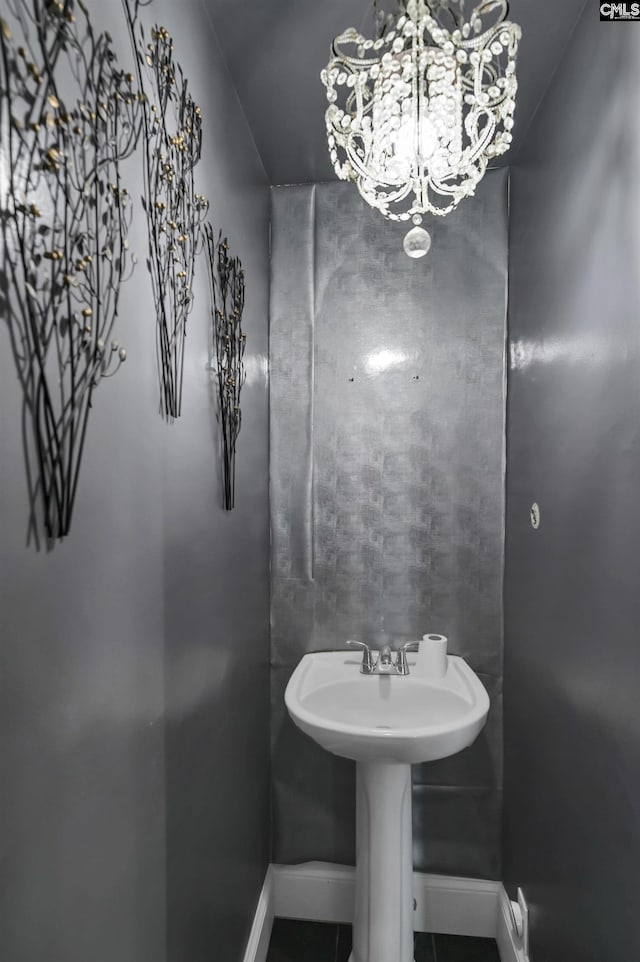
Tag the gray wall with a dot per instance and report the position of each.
(387, 433)
(134, 809)
(572, 659)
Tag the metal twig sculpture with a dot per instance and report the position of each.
(226, 278)
(173, 140)
(68, 117)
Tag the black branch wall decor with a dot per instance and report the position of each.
(173, 141)
(68, 118)
(228, 341)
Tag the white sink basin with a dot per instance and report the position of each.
(386, 723)
(385, 718)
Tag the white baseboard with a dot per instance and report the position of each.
(509, 945)
(322, 892)
(448, 905)
(258, 944)
(316, 891)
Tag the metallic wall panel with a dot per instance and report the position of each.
(314, 793)
(456, 830)
(292, 357)
(405, 382)
(134, 679)
(572, 590)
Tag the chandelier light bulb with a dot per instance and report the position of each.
(416, 115)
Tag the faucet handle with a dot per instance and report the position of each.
(367, 658)
(401, 658)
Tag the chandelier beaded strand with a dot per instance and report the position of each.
(416, 115)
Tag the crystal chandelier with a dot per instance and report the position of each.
(416, 115)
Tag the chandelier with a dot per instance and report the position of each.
(416, 115)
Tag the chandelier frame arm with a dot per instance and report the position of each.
(415, 115)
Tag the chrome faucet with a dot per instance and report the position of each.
(385, 661)
(381, 662)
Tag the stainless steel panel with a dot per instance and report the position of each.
(405, 385)
(292, 359)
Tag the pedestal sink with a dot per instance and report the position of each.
(386, 723)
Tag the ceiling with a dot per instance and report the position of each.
(275, 50)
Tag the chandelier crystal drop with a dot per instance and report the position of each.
(416, 115)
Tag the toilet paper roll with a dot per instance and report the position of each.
(432, 656)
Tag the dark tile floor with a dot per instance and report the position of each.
(293, 941)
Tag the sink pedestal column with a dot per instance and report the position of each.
(383, 912)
